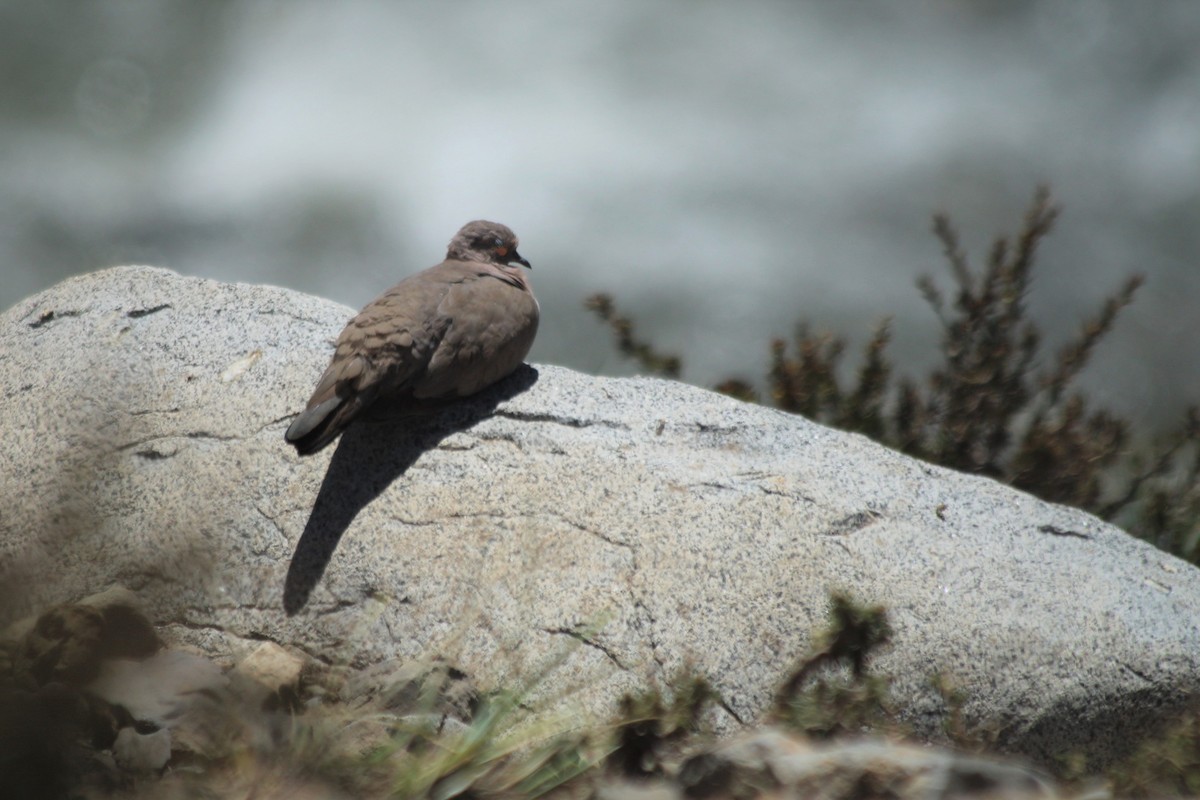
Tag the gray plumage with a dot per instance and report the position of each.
(443, 333)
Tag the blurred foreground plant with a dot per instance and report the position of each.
(1168, 765)
(831, 692)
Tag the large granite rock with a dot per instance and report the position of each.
(587, 534)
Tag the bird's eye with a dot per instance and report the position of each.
(497, 242)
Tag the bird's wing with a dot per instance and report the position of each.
(491, 319)
(383, 350)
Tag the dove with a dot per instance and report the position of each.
(441, 334)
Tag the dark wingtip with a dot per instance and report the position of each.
(306, 447)
(312, 442)
(315, 427)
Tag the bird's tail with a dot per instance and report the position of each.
(319, 425)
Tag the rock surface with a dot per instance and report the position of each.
(606, 531)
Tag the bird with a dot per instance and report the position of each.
(443, 333)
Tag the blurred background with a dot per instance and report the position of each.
(722, 169)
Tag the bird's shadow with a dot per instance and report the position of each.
(371, 454)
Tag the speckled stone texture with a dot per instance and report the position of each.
(602, 531)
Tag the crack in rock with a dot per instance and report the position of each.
(145, 411)
(1057, 531)
(852, 523)
(200, 436)
(712, 485)
(569, 422)
(753, 480)
(277, 312)
(602, 537)
(587, 642)
(274, 523)
(1139, 674)
(703, 427)
(51, 315)
(650, 637)
(340, 604)
(507, 438)
(197, 435)
(209, 436)
(258, 636)
(151, 454)
(788, 495)
(201, 626)
(145, 312)
(728, 709)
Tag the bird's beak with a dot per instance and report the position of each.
(515, 256)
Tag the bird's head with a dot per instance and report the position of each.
(485, 241)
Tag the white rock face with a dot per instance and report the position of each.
(656, 523)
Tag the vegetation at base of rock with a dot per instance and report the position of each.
(995, 404)
(1166, 766)
(424, 733)
(492, 756)
(831, 692)
(650, 723)
(420, 736)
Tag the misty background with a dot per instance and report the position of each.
(722, 169)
